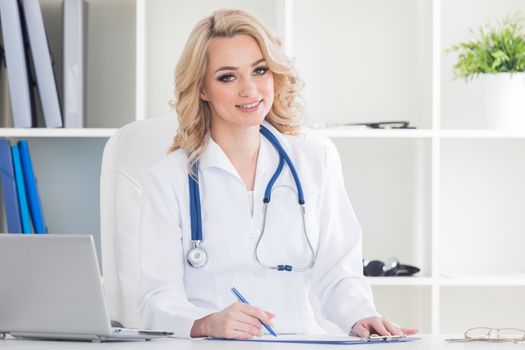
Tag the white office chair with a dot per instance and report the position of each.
(127, 155)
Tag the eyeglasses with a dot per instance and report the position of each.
(493, 335)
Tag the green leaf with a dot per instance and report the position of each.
(493, 50)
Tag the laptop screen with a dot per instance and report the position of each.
(51, 284)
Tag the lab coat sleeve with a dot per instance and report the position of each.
(337, 278)
(162, 296)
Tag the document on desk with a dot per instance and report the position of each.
(317, 339)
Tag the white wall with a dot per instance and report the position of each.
(365, 63)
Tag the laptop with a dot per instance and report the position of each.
(51, 288)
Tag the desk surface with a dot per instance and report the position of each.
(428, 342)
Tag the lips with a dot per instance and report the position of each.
(251, 105)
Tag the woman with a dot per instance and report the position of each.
(239, 118)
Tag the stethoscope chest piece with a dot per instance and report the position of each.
(197, 257)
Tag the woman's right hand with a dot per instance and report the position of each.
(238, 320)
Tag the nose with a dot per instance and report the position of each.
(248, 88)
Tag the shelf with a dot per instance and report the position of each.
(334, 132)
(44, 132)
(481, 133)
(475, 281)
(372, 133)
(507, 279)
(503, 281)
(342, 132)
(400, 281)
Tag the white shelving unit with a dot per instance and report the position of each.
(465, 190)
(446, 197)
(67, 161)
(52, 133)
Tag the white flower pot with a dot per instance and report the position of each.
(502, 99)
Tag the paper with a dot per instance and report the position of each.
(341, 339)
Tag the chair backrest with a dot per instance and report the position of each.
(127, 156)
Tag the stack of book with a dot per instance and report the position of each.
(23, 210)
(32, 84)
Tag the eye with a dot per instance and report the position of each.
(226, 78)
(260, 70)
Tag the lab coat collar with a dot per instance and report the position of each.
(214, 157)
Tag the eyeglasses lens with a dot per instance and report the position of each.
(479, 333)
(494, 333)
(511, 333)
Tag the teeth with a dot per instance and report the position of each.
(251, 105)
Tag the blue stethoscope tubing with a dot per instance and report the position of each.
(197, 256)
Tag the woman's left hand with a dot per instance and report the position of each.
(380, 326)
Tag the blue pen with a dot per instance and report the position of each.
(242, 300)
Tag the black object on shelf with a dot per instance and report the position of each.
(387, 125)
(372, 125)
(389, 268)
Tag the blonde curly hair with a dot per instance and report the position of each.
(194, 114)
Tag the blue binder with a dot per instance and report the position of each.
(22, 198)
(12, 211)
(33, 198)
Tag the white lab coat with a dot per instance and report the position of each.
(173, 294)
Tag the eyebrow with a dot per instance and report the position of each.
(236, 68)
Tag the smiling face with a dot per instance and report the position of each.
(238, 85)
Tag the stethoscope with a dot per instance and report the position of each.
(197, 256)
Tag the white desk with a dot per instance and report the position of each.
(428, 342)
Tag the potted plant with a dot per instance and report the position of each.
(494, 61)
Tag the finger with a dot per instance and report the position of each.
(378, 327)
(360, 330)
(245, 318)
(410, 331)
(393, 328)
(255, 312)
(246, 328)
(270, 316)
